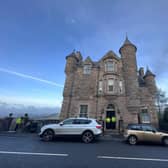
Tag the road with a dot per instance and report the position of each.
(29, 152)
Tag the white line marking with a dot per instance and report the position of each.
(29, 153)
(130, 158)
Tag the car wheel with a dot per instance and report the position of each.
(48, 135)
(132, 140)
(87, 137)
(165, 141)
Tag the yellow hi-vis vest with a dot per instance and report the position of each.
(107, 120)
(113, 119)
(18, 120)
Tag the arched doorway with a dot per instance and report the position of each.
(110, 117)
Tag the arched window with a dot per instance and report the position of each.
(111, 107)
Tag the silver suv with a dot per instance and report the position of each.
(85, 128)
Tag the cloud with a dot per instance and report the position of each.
(30, 77)
(32, 111)
(29, 101)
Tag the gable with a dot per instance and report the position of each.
(110, 55)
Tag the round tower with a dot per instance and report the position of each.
(128, 56)
(70, 69)
(150, 81)
(71, 63)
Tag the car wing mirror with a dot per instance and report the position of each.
(154, 131)
(61, 124)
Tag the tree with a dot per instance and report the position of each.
(165, 116)
(161, 100)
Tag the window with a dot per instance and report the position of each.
(81, 121)
(111, 107)
(144, 116)
(83, 110)
(109, 66)
(69, 121)
(120, 87)
(110, 85)
(148, 128)
(100, 86)
(87, 69)
(115, 67)
(134, 127)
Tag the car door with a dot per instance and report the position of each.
(150, 134)
(65, 127)
(80, 125)
(77, 125)
(136, 130)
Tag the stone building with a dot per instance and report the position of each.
(109, 88)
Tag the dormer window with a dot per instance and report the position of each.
(109, 66)
(87, 69)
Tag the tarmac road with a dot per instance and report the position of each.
(28, 151)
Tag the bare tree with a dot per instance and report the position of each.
(161, 101)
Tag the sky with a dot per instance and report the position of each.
(37, 35)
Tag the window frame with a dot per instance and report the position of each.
(100, 88)
(144, 116)
(110, 85)
(87, 68)
(121, 86)
(81, 113)
(109, 66)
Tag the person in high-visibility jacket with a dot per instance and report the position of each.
(113, 119)
(18, 123)
(107, 120)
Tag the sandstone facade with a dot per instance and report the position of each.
(111, 87)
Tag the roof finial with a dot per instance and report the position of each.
(126, 36)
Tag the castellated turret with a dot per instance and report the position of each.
(149, 79)
(128, 56)
(71, 63)
(79, 56)
(70, 69)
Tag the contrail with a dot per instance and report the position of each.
(30, 77)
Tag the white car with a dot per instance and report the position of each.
(86, 128)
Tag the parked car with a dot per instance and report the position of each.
(144, 132)
(85, 128)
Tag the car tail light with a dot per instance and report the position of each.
(98, 126)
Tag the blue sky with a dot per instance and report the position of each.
(36, 36)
